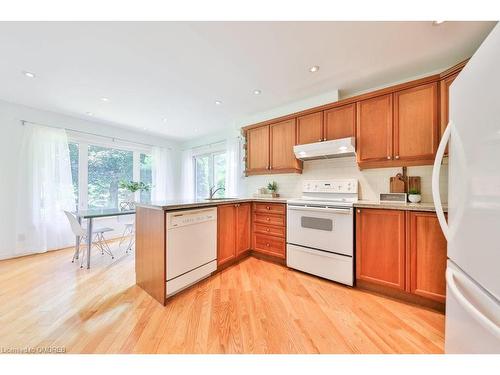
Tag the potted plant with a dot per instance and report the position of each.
(272, 187)
(414, 195)
(132, 187)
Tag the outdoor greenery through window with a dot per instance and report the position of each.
(210, 170)
(103, 168)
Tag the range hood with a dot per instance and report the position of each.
(326, 150)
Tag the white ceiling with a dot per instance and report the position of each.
(176, 70)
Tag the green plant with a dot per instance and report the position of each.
(272, 187)
(134, 186)
(413, 191)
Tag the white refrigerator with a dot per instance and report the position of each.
(473, 227)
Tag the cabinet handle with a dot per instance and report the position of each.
(268, 219)
(268, 207)
(267, 229)
(358, 211)
(388, 158)
(396, 157)
(267, 244)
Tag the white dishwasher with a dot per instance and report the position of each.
(191, 247)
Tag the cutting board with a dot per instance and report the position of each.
(414, 183)
(397, 184)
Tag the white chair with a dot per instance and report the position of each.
(97, 240)
(128, 232)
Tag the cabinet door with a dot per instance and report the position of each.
(380, 247)
(427, 256)
(258, 149)
(283, 138)
(310, 128)
(444, 105)
(416, 123)
(226, 233)
(243, 219)
(374, 129)
(340, 122)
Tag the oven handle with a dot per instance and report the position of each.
(347, 211)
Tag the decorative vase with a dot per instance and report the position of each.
(414, 198)
(129, 202)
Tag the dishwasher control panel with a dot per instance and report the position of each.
(190, 217)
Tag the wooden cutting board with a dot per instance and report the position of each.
(397, 184)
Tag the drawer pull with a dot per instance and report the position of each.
(268, 219)
(267, 244)
(268, 207)
(267, 229)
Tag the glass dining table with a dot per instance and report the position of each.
(90, 215)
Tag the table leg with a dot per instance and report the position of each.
(78, 239)
(89, 240)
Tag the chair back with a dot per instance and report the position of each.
(75, 225)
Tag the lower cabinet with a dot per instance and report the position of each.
(402, 250)
(233, 231)
(269, 229)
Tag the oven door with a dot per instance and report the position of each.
(323, 228)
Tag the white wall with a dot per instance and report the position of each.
(371, 181)
(11, 132)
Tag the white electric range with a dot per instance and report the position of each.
(320, 229)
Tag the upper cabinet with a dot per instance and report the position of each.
(374, 129)
(416, 123)
(258, 150)
(270, 149)
(395, 126)
(283, 138)
(340, 122)
(310, 128)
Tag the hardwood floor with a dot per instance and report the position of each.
(252, 307)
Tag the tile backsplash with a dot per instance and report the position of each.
(371, 181)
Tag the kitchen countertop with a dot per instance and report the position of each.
(423, 206)
(179, 204)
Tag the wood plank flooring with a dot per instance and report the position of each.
(252, 307)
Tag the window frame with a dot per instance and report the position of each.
(211, 167)
(84, 141)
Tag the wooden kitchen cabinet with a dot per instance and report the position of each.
(416, 123)
(427, 253)
(258, 150)
(310, 128)
(269, 229)
(282, 139)
(444, 104)
(374, 129)
(233, 231)
(380, 247)
(340, 122)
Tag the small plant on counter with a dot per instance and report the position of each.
(272, 187)
(414, 195)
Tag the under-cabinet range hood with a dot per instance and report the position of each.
(326, 150)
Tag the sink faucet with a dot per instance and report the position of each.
(212, 191)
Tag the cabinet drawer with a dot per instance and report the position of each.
(264, 218)
(273, 208)
(270, 230)
(269, 245)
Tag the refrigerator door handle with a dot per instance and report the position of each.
(451, 281)
(435, 180)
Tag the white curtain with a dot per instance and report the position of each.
(45, 189)
(234, 168)
(187, 176)
(162, 174)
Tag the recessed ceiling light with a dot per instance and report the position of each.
(314, 68)
(436, 23)
(104, 99)
(257, 92)
(165, 119)
(143, 128)
(29, 74)
(90, 113)
(218, 102)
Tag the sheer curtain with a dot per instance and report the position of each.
(234, 168)
(187, 175)
(45, 189)
(162, 174)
